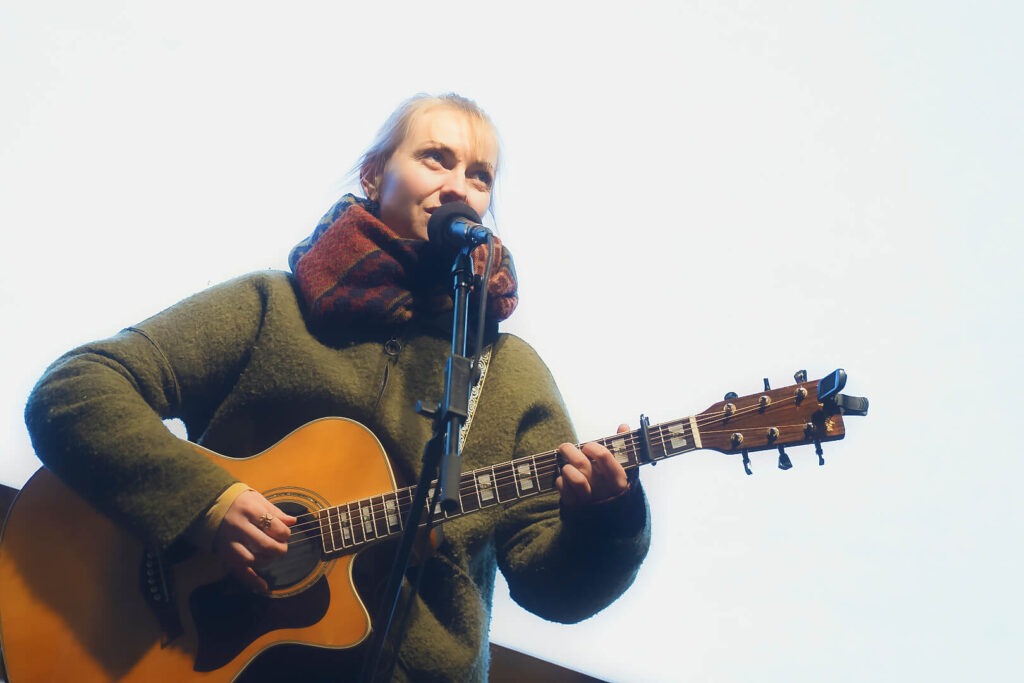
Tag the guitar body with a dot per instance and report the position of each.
(74, 588)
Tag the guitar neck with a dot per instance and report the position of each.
(350, 527)
(737, 425)
(536, 474)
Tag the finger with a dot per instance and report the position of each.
(574, 473)
(256, 544)
(601, 460)
(278, 530)
(573, 486)
(269, 518)
(593, 450)
(569, 454)
(607, 477)
(269, 524)
(253, 505)
(266, 547)
(285, 518)
(573, 478)
(251, 580)
(239, 555)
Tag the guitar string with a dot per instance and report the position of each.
(504, 475)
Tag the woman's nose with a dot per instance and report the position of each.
(454, 187)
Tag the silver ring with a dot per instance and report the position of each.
(265, 520)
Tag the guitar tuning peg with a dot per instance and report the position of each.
(784, 462)
(767, 385)
(731, 395)
(746, 463)
(800, 376)
(819, 452)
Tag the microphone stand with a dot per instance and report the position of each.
(441, 459)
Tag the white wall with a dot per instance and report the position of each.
(698, 195)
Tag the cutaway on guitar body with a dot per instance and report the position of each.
(73, 607)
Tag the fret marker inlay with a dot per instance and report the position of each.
(618, 449)
(392, 513)
(346, 530)
(525, 477)
(367, 517)
(486, 488)
(678, 439)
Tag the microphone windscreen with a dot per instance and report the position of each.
(441, 219)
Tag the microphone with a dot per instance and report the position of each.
(456, 225)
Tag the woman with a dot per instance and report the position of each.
(359, 329)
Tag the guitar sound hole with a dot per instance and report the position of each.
(304, 551)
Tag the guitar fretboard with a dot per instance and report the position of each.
(351, 526)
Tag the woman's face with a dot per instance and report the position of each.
(446, 157)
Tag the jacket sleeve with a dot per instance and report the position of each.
(566, 567)
(95, 416)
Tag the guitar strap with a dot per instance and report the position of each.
(474, 395)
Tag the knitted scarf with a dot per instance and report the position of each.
(354, 271)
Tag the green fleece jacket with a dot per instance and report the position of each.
(238, 365)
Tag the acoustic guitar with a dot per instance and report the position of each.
(81, 600)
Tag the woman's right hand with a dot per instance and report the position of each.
(253, 532)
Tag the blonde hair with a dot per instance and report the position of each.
(371, 164)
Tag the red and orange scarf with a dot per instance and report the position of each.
(355, 271)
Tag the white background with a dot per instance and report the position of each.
(698, 195)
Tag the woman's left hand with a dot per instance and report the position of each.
(590, 474)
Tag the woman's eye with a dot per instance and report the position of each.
(433, 155)
(483, 178)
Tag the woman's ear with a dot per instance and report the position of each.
(370, 185)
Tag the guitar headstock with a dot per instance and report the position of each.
(808, 412)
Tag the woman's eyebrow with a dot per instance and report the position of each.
(434, 144)
(487, 166)
(444, 147)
